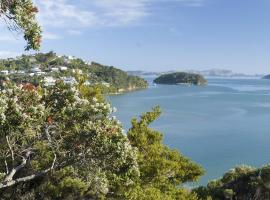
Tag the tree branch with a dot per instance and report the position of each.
(10, 176)
(8, 183)
(7, 170)
(11, 151)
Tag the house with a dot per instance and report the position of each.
(35, 69)
(54, 69)
(4, 72)
(49, 81)
(32, 59)
(40, 73)
(20, 72)
(69, 80)
(63, 68)
(71, 57)
(105, 84)
(77, 71)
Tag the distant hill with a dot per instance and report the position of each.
(210, 72)
(267, 76)
(181, 78)
(49, 67)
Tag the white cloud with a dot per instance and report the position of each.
(89, 13)
(62, 13)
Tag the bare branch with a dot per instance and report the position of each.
(10, 176)
(11, 150)
(7, 170)
(6, 184)
(10, 182)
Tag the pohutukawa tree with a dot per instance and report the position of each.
(61, 142)
(20, 16)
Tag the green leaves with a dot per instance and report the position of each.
(162, 170)
(20, 16)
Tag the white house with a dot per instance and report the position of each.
(71, 57)
(54, 69)
(105, 84)
(63, 68)
(35, 69)
(40, 73)
(49, 81)
(20, 72)
(32, 59)
(77, 71)
(69, 80)
(4, 72)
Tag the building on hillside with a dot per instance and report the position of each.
(54, 69)
(49, 81)
(35, 69)
(105, 84)
(63, 68)
(12, 72)
(4, 72)
(20, 72)
(71, 57)
(40, 73)
(77, 71)
(32, 59)
(69, 80)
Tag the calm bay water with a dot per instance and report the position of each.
(224, 124)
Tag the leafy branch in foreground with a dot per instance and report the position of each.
(60, 143)
(20, 16)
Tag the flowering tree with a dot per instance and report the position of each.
(61, 142)
(20, 15)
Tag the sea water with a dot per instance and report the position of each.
(219, 126)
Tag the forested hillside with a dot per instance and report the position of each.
(38, 67)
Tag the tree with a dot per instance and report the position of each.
(61, 143)
(242, 182)
(20, 16)
(162, 170)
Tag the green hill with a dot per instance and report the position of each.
(36, 68)
(181, 78)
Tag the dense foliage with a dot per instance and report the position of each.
(119, 79)
(20, 15)
(240, 183)
(181, 78)
(162, 169)
(62, 143)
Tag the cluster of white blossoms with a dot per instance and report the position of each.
(14, 99)
(3, 108)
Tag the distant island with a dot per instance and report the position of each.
(47, 68)
(181, 78)
(267, 76)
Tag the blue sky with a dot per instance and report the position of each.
(155, 35)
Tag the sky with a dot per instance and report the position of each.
(155, 35)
